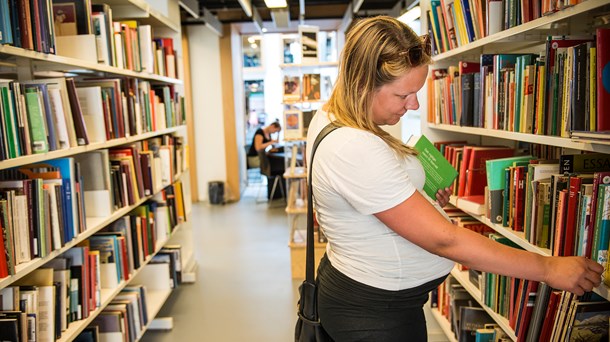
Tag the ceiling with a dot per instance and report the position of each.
(230, 11)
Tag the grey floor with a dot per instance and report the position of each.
(244, 290)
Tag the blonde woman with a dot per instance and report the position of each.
(388, 246)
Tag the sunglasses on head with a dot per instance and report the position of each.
(415, 54)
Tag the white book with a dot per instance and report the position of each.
(9, 298)
(171, 66)
(101, 37)
(160, 63)
(57, 109)
(495, 16)
(166, 165)
(111, 337)
(92, 106)
(20, 221)
(162, 224)
(160, 122)
(146, 48)
(118, 47)
(55, 234)
(46, 314)
(108, 275)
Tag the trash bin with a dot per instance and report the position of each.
(216, 192)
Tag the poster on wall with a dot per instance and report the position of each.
(293, 124)
(309, 43)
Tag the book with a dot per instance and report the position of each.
(585, 162)
(603, 79)
(440, 173)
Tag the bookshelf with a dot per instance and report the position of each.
(21, 65)
(443, 324)
(579, 20)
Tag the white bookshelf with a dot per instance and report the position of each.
(309, 65)
(514, 33)
(444, 324)
(47, 62)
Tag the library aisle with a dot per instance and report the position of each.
(244, 290)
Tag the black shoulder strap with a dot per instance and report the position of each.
(309, 257)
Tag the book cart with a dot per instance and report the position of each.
(100, 227)
(569, 18)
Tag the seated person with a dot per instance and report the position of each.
(271, 167)
(262, 138)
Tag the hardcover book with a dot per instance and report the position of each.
(439, 172)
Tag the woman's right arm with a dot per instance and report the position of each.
(419, 222)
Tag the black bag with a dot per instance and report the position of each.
(308, 327)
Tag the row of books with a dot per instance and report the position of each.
(454, 23)
(525, 304)
(74, 281)
(52, 114)
(53, 26)
(467, 319)
(556, 93)
(44, 206)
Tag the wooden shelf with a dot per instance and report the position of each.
(444, 324)
(94, 225)
(297, 173)
(310, 65)
(513, 33)
(107, 296)
(525, 137)
(36, 158)
(462, 278)
(296, 211)
(46, 62)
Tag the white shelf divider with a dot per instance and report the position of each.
(525, 137)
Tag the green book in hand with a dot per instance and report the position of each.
(439, 172)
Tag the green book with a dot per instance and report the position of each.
(439, 172)
(38, 134)
(9, 119)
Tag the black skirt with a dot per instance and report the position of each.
(351, 311)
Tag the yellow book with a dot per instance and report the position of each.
(459, 16)
(565, 100)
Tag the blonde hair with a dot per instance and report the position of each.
(375, 54)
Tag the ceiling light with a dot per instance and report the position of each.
(276, 3)
(264, 30)
(411, 15)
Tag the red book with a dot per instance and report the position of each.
(476, 178)
(562, 202)
(463, 171)
(124, 260)
(519, 212)
(25, 25)
(3, 258)
(516, 287)
(603, 79)
(549, 317)
(518, 303)
(469, 67)
(93, 268)
(528, 307)
(572, 211)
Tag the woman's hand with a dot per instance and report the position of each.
(574, 274)
(442, 196)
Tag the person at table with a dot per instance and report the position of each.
(262, 138)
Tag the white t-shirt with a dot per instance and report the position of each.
(355, 175)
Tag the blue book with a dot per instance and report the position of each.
(6, 33)
(468, 20)
(67, 170)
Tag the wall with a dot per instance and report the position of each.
(204, 58)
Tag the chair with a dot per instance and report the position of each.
(252, 167)
(271, 172)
